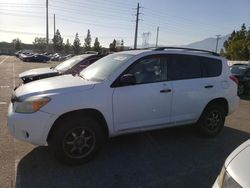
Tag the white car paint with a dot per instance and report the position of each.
(237, 165)
(125, 109)
(40, 71)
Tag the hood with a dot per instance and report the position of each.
(37, 72)
(55, 85)
(238, 164)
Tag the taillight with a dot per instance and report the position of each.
(234, 79)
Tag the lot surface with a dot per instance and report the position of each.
(175, 157)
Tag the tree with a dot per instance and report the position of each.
(76, 44)
(112, 46)
(97, 46)
(17, 43)
(87, 42)
(67, 47)
(57, 42)
(237, 45)
(40, 44)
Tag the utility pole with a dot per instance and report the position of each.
(156, 44)
(136, 25)
(54, 25)
(47, 25)
(217, 42)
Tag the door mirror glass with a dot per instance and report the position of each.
(127, 79)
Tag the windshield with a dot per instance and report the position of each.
(238, 70)
(66, 65)
(103, 68)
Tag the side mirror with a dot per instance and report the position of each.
(127, 79)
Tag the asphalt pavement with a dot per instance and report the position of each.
(173, 157)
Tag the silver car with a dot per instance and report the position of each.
(235, 172)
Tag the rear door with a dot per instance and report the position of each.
(211, 71)
(188, 87)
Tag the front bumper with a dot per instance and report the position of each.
(32, 128)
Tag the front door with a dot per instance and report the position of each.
(146, 103)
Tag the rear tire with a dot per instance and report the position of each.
(212, 120)
(76, 140)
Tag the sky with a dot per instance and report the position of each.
(180, 21)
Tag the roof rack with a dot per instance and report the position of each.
(187, 49)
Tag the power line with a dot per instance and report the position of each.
(72, 20)
(97, 3)
(91, 5)
(64, 36)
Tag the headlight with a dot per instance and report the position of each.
(30, 105)
(229, 182)
(226, 181)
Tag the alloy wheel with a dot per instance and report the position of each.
(79, 142)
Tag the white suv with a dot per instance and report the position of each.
(121, 93)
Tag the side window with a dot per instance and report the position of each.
(210, 67)
(183, 67)
(147, 70)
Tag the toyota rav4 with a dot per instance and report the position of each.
(125, 92)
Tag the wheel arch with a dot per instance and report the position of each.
(219, 101)
(86, 112)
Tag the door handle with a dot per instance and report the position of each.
(209, 86)
(165, 90)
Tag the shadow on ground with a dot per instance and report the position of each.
(175, 157)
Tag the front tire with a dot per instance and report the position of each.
(212, 120)
(76, 140)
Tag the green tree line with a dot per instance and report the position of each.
(237, 47)
(57, 45)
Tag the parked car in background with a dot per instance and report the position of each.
(24, 55)
(36, 58)
(71, 66)
(235, 171)
(55, 57)
(18, 53)
(122, 93)
(242, 72)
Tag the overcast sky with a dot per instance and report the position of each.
(180, 21)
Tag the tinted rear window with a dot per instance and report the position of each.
(210, 67)
(189, 67)
(183, 67)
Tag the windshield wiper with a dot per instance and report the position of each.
(82, 76)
